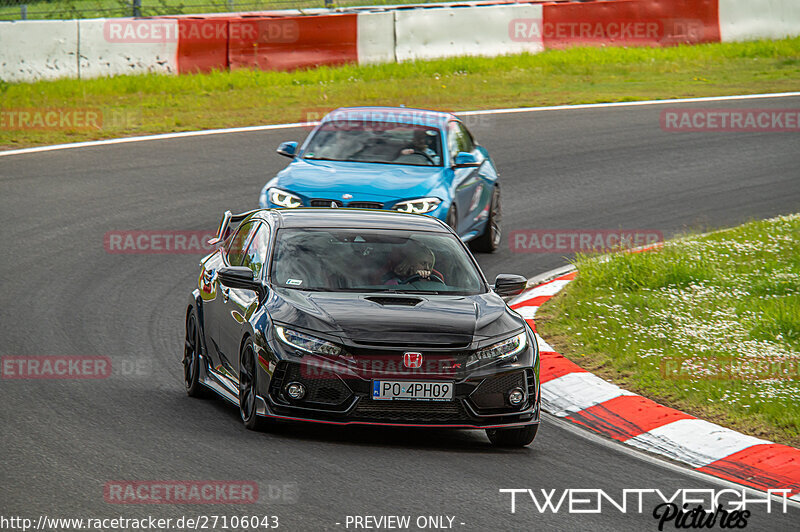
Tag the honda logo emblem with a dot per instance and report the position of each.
(412, 360)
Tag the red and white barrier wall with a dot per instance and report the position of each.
(286, 40)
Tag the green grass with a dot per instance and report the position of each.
(142, 104)
(708, 324)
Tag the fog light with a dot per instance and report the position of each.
(516, 396)
(296, 390)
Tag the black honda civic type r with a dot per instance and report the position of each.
(347, 316)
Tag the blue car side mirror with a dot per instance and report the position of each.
(466, 160)
(288, 149)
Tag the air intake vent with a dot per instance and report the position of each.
(325, 203)
(395, 301)
(365, 205)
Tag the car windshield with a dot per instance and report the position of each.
(376, 142)
(372, 260)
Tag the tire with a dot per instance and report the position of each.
(518, 437)
(492, 235)
(248, 387)
(191, 358)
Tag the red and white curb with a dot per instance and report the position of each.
(572, 393)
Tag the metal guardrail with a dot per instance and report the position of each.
(71, 9)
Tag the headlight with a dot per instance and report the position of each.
(282, 198)
(418, 206)
(307, 343)
(505, 349)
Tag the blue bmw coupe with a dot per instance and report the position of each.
(394, 158)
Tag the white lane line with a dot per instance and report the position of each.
(577, 391)
(183, 134)
(627, 104)
(693, 441)
(160, 136)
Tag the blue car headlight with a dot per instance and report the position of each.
(418, 206)
(285, 199)
(307, 343)
(501, 350)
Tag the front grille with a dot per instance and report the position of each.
(365, 205)
(411, 411)
(324, 203)
(491, 393)
(321, 388)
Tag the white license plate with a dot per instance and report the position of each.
(412, 391)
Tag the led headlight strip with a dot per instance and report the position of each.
(307, 343)
(504, 349)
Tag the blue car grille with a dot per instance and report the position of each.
(324, 203)
(320, 202)
(365, 205)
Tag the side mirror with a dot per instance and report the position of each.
(506, 285)
(240, 277)
(466, 160)
(288, 149)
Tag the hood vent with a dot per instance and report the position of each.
(389, 301)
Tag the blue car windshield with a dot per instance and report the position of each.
(376, 142)
(373, 260)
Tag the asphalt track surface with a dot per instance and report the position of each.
(62, 294)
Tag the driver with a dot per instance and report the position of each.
(422, 144)
(412, 260)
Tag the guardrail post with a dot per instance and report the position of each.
(23, 11)
(137, 8)
(328, 3)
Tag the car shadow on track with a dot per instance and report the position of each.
(434, 439)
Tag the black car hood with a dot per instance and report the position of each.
(383, 319)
